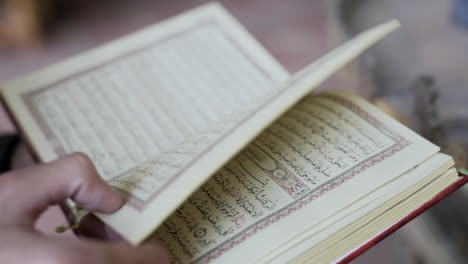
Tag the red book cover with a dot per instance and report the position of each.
(403, 221)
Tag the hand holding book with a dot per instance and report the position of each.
(26, 193)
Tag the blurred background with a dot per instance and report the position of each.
(418, 74)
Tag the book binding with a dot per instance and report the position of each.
(403, 221)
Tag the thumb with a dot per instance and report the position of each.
(30, 191)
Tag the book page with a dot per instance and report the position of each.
(175, 174)
(126, 102)
(325, 153)
(373, 203)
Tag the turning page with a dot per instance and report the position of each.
(127, 101)
(176, 173)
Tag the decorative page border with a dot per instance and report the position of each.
(133, 201)
(400, 144)
(27, 97)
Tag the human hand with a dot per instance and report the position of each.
(26, 193)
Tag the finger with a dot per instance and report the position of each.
(31, 190)
(92, 227)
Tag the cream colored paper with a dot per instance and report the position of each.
(215, 155)
(409, 182)
(372, 227)
(245, 203)
(129, 100)
(259, 101)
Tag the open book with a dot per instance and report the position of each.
(224, 156)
